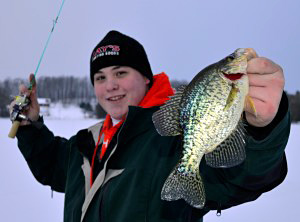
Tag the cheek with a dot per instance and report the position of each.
(137, 94)
(99, 92)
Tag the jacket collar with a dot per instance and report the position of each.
(137, 122)
(159, 93)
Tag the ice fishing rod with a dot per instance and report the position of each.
(46, 45)
(22, 101)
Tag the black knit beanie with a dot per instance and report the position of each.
(117, 49)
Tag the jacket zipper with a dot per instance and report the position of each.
(106, 185)
(219, 210)
(102, 202)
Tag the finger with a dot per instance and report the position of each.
(11, 105)
(274, 81)
(266, 94)
(258, 93)
(33, 88)
(262, 65)
(258, 80)
(266, 101)
(32, 81)
(259, 105)
(33, 96)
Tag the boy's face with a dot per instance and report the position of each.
(117, 87)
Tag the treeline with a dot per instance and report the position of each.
(65, 89)
(294, 102)
(71, 90)
(68, 90)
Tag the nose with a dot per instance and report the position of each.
(112, 84)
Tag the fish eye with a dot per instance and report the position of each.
(230, 58)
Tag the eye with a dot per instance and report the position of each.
(99, 77)
(121, 73)
(230, 58)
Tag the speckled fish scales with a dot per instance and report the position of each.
(207, 113)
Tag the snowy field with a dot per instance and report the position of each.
(24, 199)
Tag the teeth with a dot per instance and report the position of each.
(115, 98)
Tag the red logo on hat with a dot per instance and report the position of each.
(106, 50)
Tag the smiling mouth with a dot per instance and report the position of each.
(116, 98)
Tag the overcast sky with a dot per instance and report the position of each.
(180, 37)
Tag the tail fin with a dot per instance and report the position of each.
(184, 185)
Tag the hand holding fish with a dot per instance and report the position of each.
(266, 82)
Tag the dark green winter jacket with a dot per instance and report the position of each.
(128, 186)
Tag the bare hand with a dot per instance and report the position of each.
(266, 83)
(33, 109)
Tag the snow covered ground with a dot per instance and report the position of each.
(61, 111)
(24, 199)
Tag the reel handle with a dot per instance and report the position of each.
(14, 129)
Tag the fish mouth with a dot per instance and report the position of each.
(234, 76)
(236, 68)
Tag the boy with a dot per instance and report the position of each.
(115, 170)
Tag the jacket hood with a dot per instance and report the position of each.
(159, 93)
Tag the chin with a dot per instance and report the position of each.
(119, 113)
(117, 117)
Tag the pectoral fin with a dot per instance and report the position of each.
(231, 97)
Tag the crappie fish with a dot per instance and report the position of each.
(207, 113)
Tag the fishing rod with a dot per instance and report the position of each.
(22, 101)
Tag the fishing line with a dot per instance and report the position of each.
(46, 45)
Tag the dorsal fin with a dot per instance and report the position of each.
(166, 119)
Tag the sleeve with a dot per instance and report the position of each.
(46, 155)
(264, 168)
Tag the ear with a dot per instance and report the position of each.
(147, 81)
